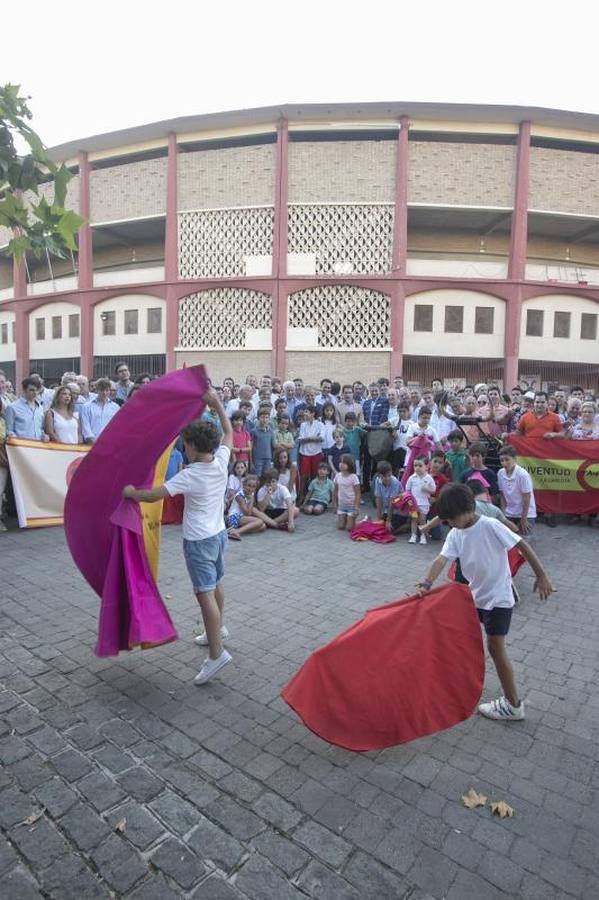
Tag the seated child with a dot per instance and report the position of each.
(320, 493)
(422, 486)
(386, 487)
(235, 482)
(241, 518)
(287, 471)
(275, 505)
(457, 457)
(346, 493)
(477, 453)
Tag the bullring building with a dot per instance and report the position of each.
(352, 240)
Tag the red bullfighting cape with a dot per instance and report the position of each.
(407, 669)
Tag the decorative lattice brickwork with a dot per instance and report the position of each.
(345, 239)
(346, 317)
(220, 318)
(214, 243)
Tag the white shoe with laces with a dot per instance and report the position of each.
(211, 666)
(502, 710)
(202, 639)
(413, 540)
(423, 539)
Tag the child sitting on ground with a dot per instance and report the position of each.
(346, 493)
(241, 518)
(386, 488)
(516, 493)
(422, 486)
(287, 471)
(481, 544)
(235, 482)
(457, 457)
(320, 493)
(275, 503)
(477, 453)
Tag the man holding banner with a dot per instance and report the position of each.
(540, 423)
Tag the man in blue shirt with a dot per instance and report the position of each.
(124, 383)
(25, 416)
(96, 414)
(376, 408)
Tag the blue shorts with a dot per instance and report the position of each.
(497, 620)
(205, 561)
(234, 520)
(346, 511)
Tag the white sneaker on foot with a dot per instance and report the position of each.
(502, 710)
(202, 639)
(423, 539)
(211, 666)
(413, 539)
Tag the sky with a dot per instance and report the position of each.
(111, 65)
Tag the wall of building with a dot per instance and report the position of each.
(130, 344)
(342, 171)
(547, 347)
(236, 364)
(226, 177)
(461, 174)
(564, 181)
(343, 367)
(53, 348)
(464, 344)
(8, 351)
(129, 191)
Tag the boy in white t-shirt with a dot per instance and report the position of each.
(203, 483)
(481, 544)
(422, 485)
(516, 493)
(275, 504)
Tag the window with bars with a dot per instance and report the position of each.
(4, 334)
(74, 325)
(484, 320)
(56, 327)
(131, 321)
(40, 329)
(561, 325)
(423, 317)
(154, 320)
(534, 322)
(588, 327)
(454, 319)
(108, 323)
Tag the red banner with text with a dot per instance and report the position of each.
(565, 474)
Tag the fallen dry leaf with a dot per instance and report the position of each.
(34, 817)
(121, 826)
(472, 799)
(502, 809)
(168, 596)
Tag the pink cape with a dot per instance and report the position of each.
(407, 669)
(105, 534)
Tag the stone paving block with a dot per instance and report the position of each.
(373, 879)
(534, 888)
(174, 860)
(141, 828)
(140, 784)
(178, 815)
(210, 764)
(101, 791)
(323, 843)
(69, 878)
(503, 873)
(154, 888)
(323, 884)
(213, 843)
(12, 749)
(282, 852)
(40, 843)
(56, 797)
(240, 786)
(118, 864)
(15, 806)
(469, 886)
(398, 849)
(121, 733)
(47, 741)
(31, 771)
(277, 811)
(84, 736)
(8, 857)
(257, 878)
(113, 759)
(214, 888)
(236, 819)
(18, 884)
(71, 765)
(84, 827)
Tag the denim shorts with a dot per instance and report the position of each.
(205, 561)
(346, 511)
(496, 620)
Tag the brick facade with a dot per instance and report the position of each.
(345, 367)
(129, 191)
(231, 176)
(461, 174)
(226, 363)
(342, 172)
(564, 181)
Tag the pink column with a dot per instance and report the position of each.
(85, 239)
(513, 319)
(22, 345)
(279, 243)
(399, 255)
(398, 302)
(86, 334)
(279, 330)
(171, 255)
(172, 326)
(518, 247)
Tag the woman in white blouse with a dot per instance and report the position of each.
(61, 423)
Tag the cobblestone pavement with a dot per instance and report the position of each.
(120, 778)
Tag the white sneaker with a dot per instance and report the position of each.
(211, 666)
(502, 710)
(413, 540)
(423, 539)
(202, 639)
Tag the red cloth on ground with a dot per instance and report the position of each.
(407, 669)
(371, 531)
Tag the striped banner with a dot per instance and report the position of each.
(40, 475)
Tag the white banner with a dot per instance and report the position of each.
(40, 476)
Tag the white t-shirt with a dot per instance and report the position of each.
(311, 429)
(401, 429)
(482, 551)
(415, 485)
(512, 487)
(414, 430)
(278, 499)
(203, 485)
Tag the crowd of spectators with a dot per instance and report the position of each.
(301, 447)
